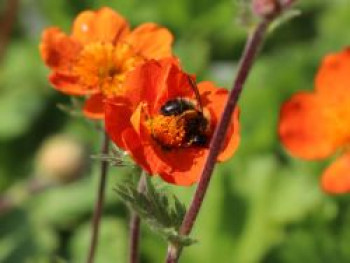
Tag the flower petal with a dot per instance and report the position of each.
(82, 29)
(214, 99)
(336, 178)
(188, 166)
(307, 126)
(57, 49)
(117, 119)
(176, 166)
(156, 81)
(172, 83)
(176, 84)
(333, 75)
(136, 119)
(69, 84)
(333, 83)
(142, 83)
(133, 146)
(151, 41)
(104, 25)
(232, 139)
(94, 106)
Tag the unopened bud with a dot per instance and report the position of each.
(61, 159)
(270, 8)
(266, 8)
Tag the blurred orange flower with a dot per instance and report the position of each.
(164, 126)
(101, 49)
(314, 125)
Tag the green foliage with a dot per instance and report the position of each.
(22, 90)
(113, 234)
(154, 206)
(73, 108)
(24, 238)
(284, 18)
(115, 157)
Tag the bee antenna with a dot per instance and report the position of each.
(196, 92)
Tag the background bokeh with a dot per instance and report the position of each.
(262, 206)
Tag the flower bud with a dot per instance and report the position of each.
(266, 8)
(270, 8)
(60, 159)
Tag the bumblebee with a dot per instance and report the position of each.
(196, 124)
(196, 127)
(176, 107)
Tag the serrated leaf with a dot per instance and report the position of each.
(163, 212)
(116, 157)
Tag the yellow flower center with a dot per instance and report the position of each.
(169, 131)
(187, 129)
(104, 65)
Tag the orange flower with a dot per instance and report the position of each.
(95, 58)
(314, 125)
(162, 124)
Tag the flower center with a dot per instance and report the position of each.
(169, 131)
(179, 125)
(104, 65)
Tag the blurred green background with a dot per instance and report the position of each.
(263, 205)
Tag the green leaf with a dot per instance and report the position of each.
(116, 157)
(25, 239)
(163, 212)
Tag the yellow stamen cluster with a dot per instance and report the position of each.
(169, 131)
(104, 65)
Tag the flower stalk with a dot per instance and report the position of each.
(135, 225)
(99, 202)
(7, 23)
(252, 47)
(173, 253)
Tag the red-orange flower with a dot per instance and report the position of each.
(314, 125)
(162, 124)
(94, 59)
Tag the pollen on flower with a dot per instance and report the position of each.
(104, 65)
(169, 131)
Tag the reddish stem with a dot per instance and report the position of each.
(252, 47)
(6, 24)
(135, 226)
(99, 202)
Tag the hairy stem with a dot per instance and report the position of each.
(99, 202)
(252, 47)
(173, 253)
(135, 226)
